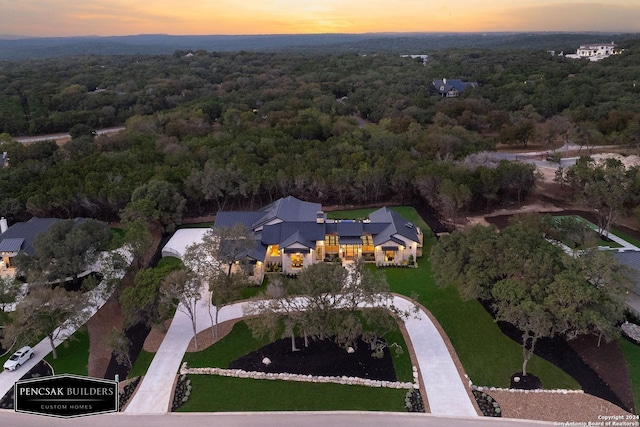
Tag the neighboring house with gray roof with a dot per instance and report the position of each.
(292, 234)
(20, 237)
(451, 88)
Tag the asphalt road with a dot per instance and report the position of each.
(58, 136)
(263, 419)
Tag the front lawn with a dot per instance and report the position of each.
(632, 356)
(73, 354)
(237, 343)
(489, 357)
(224, 394)
(141, 365)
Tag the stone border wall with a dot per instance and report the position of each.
(239, 373)
(517, 390)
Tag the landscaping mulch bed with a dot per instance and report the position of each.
(561, 354)
(609, 363)
(322, 357)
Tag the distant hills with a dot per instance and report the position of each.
(13, 47)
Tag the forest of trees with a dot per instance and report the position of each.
(218, 130)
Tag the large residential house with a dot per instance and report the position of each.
(594, 52)
(451, 88)
(292, 234)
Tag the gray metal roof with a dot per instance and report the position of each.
(289, 209)
(231, 218)
(457, 84)
(299, 225)
(297, 238)
(29, 231)
(11, 245)
(400, 225)
(278, 233)
(349, 229)
(350, 240)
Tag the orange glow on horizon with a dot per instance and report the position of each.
(119, 17)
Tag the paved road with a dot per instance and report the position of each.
(446, 392)
(265, 419)
(58, 136)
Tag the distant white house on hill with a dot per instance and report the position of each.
(594, 52)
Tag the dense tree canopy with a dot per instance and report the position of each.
(326, 301)
(230, 129)
(64, 251)
(532, 283)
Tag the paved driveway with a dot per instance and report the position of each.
(446, 392)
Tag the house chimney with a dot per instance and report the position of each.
(3, 225)
(320, 217)
(444, 81)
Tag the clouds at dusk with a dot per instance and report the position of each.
(119, 17)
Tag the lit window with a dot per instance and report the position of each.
(297, 260)
(274, 251)
(331, 243)
(389, 256)
(367, 244)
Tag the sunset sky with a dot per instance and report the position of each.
(125, 17)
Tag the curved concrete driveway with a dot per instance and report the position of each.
(446, 392)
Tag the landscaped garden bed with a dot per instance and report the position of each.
(181, 393)
(487, 404)
(127, 392)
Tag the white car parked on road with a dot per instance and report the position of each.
(18, 358)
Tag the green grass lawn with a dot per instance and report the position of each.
(599, 241)
(73, 354)
(141, 364)
(215, 394)
(632, 356)
(252, 291)
(626, 237)
(489, 357)
(237, 343)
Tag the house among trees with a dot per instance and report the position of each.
(594, 52)
(451, 88)
(292, 234)
(20, 237)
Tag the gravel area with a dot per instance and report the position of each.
(555, 407)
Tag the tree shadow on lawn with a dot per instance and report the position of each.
(321, 358)
(561, 354)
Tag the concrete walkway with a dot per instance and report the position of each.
(446, 392)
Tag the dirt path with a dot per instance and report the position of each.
(109, 318)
